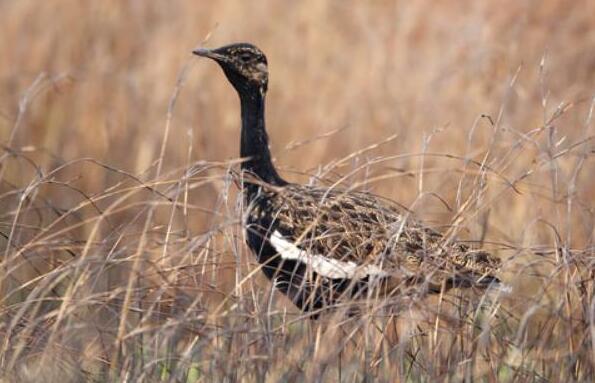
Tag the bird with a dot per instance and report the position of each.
(323, 247)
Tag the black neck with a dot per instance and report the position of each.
(254, 146)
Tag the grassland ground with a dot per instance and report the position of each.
(122, 253)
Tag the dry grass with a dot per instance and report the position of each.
(122, 257)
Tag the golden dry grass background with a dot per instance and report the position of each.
(96, 80)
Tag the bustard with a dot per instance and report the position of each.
(321, 246)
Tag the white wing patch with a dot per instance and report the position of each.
(325, 266)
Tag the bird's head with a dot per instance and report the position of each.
(244, 65)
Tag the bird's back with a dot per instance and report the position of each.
(332, 237)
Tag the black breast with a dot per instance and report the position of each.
(308, 290)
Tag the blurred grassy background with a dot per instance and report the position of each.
(375, 70)
(424, 71)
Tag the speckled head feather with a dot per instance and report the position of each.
(244, 64)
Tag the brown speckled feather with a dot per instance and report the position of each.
(365, 229)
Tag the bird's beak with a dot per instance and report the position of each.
(204, 52)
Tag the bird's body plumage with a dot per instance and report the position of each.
(320, 245)
(367, 240)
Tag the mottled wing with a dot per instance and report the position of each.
(356, 234)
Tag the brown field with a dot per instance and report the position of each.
(121, 247)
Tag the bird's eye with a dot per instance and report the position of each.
(245, 57)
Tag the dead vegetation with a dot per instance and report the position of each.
(122, 254)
